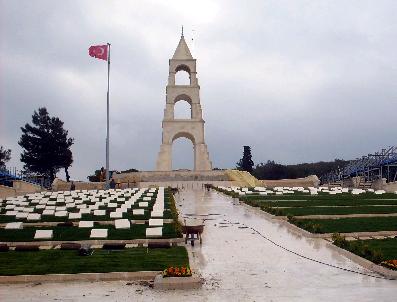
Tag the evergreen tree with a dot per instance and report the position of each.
(273, 170)
(246, 163)
(67, 160)
(5, 156)
(95, 177)
(46, 145)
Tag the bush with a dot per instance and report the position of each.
(316, 228)
(175, 216)
(377, 256)
(359, 248)
(273, 211)
(339, 240)
(311, 227)
(292, 219)
(363, 250)
(232, 194)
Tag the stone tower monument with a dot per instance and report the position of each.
(193, 128)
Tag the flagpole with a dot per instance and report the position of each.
(107, 125)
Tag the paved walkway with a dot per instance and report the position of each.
(237, 264)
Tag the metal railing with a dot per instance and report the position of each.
(9, 174)
(371, 167)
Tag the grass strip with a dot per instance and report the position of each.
(312, 202)
(322, 196)
(137, 231)
(337, 210)
(387, 246)
(69, 262)
(375, 250)
(347, 225)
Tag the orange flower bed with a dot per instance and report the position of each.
(182, 271)
(390, 264)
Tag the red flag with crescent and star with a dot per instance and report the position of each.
(99, 52)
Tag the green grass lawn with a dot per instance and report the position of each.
(387, 246)
(312, 202)
(375, 250)
(338, 210)
(325, 196)
(137, 231)
(348, 225)
(69, 262)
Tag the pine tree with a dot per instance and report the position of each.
(5, 156)
(67, 160)
(246, 163)
(46, 145)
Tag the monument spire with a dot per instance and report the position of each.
(182, 52)
(190, 128)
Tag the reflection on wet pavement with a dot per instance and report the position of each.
(235, 254)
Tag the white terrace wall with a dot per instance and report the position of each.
(309, 181)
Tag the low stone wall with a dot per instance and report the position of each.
(25, 187)
(99, 242)
(83, 277)
(194, 185)
(61, 185)
(379, 184)
(309, 181)
(7, 192)
(390, 187)
(172, 283)
(171, 176)
(19, 187)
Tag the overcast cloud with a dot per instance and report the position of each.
(298, 81)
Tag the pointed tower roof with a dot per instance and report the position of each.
(182, 52)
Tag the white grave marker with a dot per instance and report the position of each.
(99, 233)
(122, 224)
(43, 234)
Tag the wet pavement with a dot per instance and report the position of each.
(244, 257)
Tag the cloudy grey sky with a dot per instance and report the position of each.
(298, 81)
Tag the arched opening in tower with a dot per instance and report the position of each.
(182, 154)
(182, 110)
(182, 77)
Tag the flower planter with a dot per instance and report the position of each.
(179, 272)
(165, 283)
(391, 264)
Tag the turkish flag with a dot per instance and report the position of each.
(99, 52)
